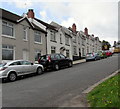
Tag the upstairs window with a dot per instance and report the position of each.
(60, 38)
(37, 37)
(53, 36)
(7, 29)
(67, 40)
(25, 33)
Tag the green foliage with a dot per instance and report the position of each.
(106, 94)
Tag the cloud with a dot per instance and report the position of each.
(21, 3)
(68, 22)
(101, 18)
(43, 14)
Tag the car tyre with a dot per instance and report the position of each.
(12, 77)
(56, 67)
(39, 71)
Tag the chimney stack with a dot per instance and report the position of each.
(30, 13)
(86, 31)
(74, 27)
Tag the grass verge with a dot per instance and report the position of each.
(106, 94)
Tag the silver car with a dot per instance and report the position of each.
(11, 70)
(92, 56)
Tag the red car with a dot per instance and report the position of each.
(108, 53)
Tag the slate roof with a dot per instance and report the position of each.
(47, 25)
(7, 15)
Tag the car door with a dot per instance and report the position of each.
(17, 67)
(28, 67)
(63, 60)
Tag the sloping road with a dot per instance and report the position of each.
(54, 88)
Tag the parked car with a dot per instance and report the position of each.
(102, 54)
(11, 70)
(108, 53)
(92, 56)
(55, 61)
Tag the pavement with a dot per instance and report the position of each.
(79, 61)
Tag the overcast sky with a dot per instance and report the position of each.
(99, 16)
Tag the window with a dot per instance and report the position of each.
(37, 37)
(15, 63)
(67, 40)
(83, 52)
(25, 33)
(25, 63)
(7, 52)
(53, 50)
(67, 53)
(7, 29)
(83, 42)
(57, 56)
(53, 37)
(74, 38)
(60, 38)
(78, 39)
(74, 50)
(62, 56)
(37, 54)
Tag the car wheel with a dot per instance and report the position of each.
(56, 67)
(95, 59)
(12, 77)
(70, 64)
(39, 71)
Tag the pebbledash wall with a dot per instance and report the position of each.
(16, 45)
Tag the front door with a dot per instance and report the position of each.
(25, 55)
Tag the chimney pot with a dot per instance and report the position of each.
(74, 27)
(86, 31)
(30, 13)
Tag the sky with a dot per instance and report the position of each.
(99, 16)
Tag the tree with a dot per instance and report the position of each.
(105, 45)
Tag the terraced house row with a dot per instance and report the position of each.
(26, 37)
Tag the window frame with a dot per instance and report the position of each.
(10, 25)
(37, 33)
(8, 47)
(53, 49)
(25, 30)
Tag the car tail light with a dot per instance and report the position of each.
(49, 59)
(3, 68)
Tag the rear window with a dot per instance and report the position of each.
(2, 64)
(43, 57)
(90, 54)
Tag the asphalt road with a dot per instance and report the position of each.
(54, 88)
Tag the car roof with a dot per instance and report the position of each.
(8, 63)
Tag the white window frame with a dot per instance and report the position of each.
(25, 33)
(53, 48)
(74, 50)
(60, 38)
(8, 48)
(52, 36)
(68, 52)
(11, 25)
(37, 33)
(67, 42)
